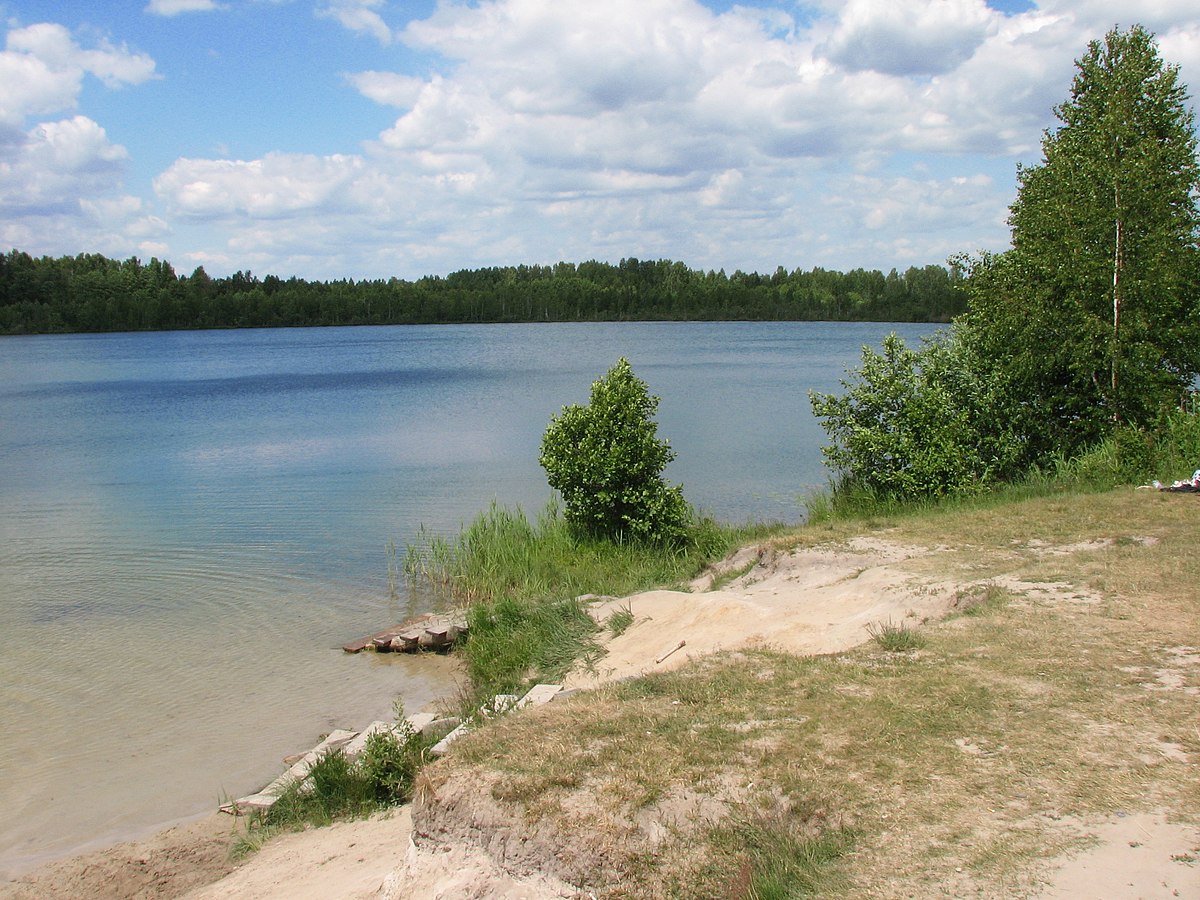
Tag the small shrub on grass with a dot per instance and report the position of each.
(391, 762)
(606, 460)
(896, 638)
(334, 788)
(337, 787)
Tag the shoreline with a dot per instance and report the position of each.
(817, 603)
(711, 621)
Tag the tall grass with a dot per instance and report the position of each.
(337, 787)
(521, 581)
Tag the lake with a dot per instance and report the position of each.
(193, 523)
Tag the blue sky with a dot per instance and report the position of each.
(367, 138)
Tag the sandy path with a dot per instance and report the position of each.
(347, 859)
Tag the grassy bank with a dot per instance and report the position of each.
(1065, 690)
(522, 579)
(1130, 456)
(831, 775)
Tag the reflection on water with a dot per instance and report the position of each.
(191, 524)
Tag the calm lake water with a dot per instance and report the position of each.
(192, 523)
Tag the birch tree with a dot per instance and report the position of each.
(1105, 231)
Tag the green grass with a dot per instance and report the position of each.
(896, 637)
(619, 620)
(725, 578)
(983, 600)
(779, 859)
(522, 581)
(1169, 451)
(337, 787)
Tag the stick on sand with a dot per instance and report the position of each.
(678, 646)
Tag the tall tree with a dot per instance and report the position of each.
(1100, 292)
(1090, 320)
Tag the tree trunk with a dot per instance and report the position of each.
(1117, 261)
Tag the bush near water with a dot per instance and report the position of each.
(1085, 333)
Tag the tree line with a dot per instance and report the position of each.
(92, 293)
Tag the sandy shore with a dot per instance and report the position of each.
(805, 601)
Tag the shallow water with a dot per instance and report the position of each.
(192, 523)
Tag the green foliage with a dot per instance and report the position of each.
(334, 788)
(1076, 338)
(1169, 450)
(1095, 313)
(606, 461)
(337, 787)
(390, 762)
(916, 423)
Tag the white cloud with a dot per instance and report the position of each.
(178, 7)
(60, 191)
(638, 127)
(1182, 47)
(278, 185)
(42, 69)
(56, 164)
(910, 37)
(387, 88)
(359, 16)
(1098, 16)
(747, 139)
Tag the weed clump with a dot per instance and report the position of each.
(338, 787)
(896, 637)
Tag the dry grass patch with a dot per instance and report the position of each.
(1068, 688)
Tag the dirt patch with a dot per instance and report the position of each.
(167, 865)
(1130, 857)
(812, 600)
(345, 860)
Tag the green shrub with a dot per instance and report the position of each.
(919, 423)
(338, 787)
(606, 461)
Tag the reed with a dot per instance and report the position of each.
(526, 583)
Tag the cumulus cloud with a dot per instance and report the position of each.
(909, 37)
(387, 88)
(42, 69)
(56, 164)
(279, 185)
(746, 138)
(359, 16)
(1182, 47)
(657, 127)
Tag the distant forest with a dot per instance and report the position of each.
(90, 292)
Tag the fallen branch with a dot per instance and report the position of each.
(678, 646)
